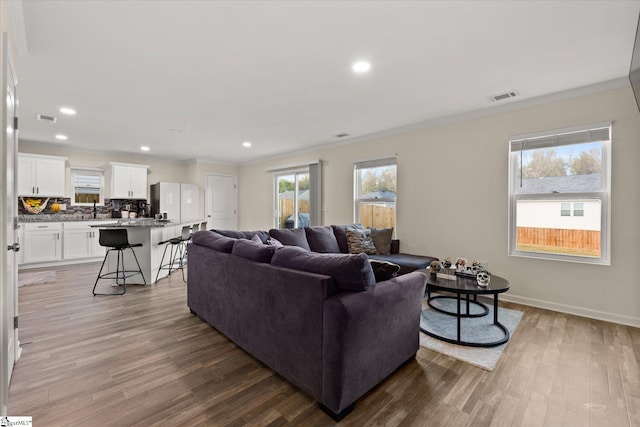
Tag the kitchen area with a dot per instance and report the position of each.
(61, 209)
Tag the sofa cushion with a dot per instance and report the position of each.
(236, 234)
(382, 239)
(322, 239)
(384, 270)
(274, 242)
(213, 240)
(340, 231)
(249, 249)
(349, 272)
(360, 241)
(291, 237)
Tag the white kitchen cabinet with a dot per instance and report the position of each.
(80, 240)
(42, 242)
(40, 175)
(128, 181)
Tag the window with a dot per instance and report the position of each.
(298, 196)
(567, 169)
(88, 186)
(375, 193)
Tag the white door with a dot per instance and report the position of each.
(8, 236)
(220, 199)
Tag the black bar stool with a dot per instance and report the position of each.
(176, 255)
(116, 239)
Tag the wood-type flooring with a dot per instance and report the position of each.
(143, 359)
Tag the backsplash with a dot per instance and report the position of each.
(87, 211)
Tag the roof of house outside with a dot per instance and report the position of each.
(379, 195)
(561, 184)
(304, 195)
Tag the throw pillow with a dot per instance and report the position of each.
(254, 251)
(384, 270)
(291, 237)
(382, 239)
(341, 235)
(359, 242)
(256, 239)
(351, 273)
(322, 239)
(274, 242)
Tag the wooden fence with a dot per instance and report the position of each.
(560, 238)
(286, 208)
(377, 216)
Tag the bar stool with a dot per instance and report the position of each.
(203, 226)
(116, 239)
(176, 254)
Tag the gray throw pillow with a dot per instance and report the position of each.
(360, 242)
(382, 239)
(253, 251)
(322, 239)
(291, 237)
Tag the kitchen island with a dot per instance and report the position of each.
(150, 233)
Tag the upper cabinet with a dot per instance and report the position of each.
(128, 181)
(41, 175)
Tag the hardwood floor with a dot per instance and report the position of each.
(142, 359)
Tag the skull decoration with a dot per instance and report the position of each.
(434, 267)
(483, 278)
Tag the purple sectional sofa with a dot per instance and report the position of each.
(318, 319)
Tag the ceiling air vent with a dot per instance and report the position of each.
(46, 118)
(505, 95)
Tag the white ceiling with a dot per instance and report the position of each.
(278, 73)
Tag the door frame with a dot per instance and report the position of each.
(8, 300)
(208, 198)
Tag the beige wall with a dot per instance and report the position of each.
(437, 165)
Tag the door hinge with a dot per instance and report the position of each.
(15, 322)
(15, 123)
(234, 186)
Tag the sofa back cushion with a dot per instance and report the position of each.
(291, 237)
(322, 239)
(236, 234)
(213, 240)
(349, 272)
(340, 231)
(253, 251)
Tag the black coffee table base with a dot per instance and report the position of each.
(459, 315)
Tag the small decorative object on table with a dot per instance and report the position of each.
(446, 272)
(483, 278)
(434, 267)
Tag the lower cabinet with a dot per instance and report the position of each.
(42, 242)
(45, 242)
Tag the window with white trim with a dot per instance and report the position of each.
(87, 186)
(566, 171)
(376, 192)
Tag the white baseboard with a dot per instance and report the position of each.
(570, 309)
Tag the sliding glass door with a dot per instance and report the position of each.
(292, 199)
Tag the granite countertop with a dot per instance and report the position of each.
(145, 222)
(63, 218)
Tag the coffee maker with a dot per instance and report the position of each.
(143, 209)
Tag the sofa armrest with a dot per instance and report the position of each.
(368, 335)
(395, 246)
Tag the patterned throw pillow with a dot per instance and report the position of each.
(359, 241)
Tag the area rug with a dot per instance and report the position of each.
(28, 278)
(472, 329)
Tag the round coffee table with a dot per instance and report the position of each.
(467, 288)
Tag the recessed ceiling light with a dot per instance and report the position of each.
(361, 67)
(246, 144)
(144, 148)
(62, 137)
(68, 111)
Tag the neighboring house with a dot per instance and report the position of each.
(570, 213)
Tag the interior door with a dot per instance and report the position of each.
(220, 199)
(8, 219)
